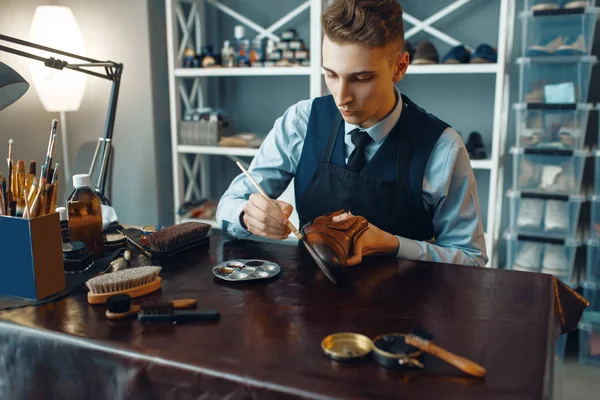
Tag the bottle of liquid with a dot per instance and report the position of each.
(228, 55)
(85, 216)
(242, 46)
(64, 224)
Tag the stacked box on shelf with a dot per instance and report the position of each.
(551, 126)
(589, 343)
(549, 156)
(542, 254)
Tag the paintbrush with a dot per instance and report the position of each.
(299, 235)
(8, 199)
(30, 175)
(54, 194)
(50, 151)
(27, 213)
(261, 191)
(2, 195)
(19, 186)
(33, 189)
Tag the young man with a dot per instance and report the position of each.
(365, 149)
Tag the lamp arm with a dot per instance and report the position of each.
(110, 123)
(113, 72)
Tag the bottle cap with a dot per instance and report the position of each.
(226, 43)
(81, 181)
(62, 211)
(239, 31)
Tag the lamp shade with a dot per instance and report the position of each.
(56, 27)
(12, 86)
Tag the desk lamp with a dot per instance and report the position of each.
(13, 86)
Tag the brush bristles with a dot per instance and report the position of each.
(175, 236)
(157, 308)
(122, 280)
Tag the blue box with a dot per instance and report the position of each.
(32, 263)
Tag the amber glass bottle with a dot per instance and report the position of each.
(85, 215)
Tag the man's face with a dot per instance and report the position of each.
(361, 80)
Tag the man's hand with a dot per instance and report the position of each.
(263, 219)
(372, 241)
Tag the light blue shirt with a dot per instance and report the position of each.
(449, 187)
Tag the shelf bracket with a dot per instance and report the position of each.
(186, 27)
(192, 175)
(426, 24)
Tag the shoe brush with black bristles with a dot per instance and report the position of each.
(175, 238)
(119, 306)
(165, 312)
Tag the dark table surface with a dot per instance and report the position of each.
(267, 342)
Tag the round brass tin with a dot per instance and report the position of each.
(346, 346)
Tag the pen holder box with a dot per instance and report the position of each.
(32, 263)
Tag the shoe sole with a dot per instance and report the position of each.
(569, 52)
(423, 62)
(545, 7)
(539, 53)
(481, 61)
(575, 4)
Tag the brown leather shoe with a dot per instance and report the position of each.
(332, 241)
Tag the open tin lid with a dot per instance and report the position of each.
(346, 346)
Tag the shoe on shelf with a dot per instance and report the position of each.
(545, 5)
(475, 146)
(530, 214)
(457, 55)
(569, 133)
(410, 49)
(529, 257)
(555, 260)
(532, 131)
(546, 47)
(536, 94)
(484, 53)
(572, 46)
(550, 175)
(556, 216)
(571, 4)
(426, 54)
(528, 174)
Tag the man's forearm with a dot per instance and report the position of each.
(421, 250)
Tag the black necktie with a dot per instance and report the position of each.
(357, 159)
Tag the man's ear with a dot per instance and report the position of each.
(400, 66)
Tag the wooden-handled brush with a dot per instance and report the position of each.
(134, 282)
(459, 362)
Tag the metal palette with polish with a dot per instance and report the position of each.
(246, 270)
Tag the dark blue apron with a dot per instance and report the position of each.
(388, 191)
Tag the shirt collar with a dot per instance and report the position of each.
(380, 130)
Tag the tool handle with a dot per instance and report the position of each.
(183, 303)
(270, 200)
(459, 362)
(183, 316)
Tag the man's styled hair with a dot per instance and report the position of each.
(371, 23)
